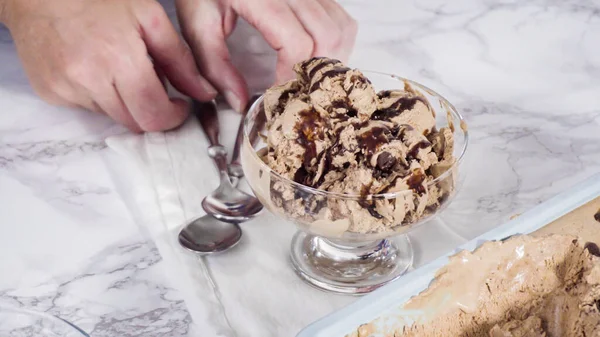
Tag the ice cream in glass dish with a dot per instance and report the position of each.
(355, 160)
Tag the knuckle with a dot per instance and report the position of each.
(332, 41)
(304, 46)
(80, 72)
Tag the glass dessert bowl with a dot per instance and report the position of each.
(356, 242)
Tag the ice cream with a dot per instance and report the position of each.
(330, 130)
(524, 286)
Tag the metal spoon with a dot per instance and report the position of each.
(206, 235)
(227, 202)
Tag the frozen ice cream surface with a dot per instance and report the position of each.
(524, 286)
(330, 130)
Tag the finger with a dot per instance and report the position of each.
(283, 31)
(146, 99)
(347, 24)
(326, 34)
(171, 53)
(111, 103)
(204, 31)
(161, 75)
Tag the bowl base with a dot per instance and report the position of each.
(354, 269)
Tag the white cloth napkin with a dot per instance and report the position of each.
(252, 289)
(249, 291)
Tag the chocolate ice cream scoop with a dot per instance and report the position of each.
(330, 130)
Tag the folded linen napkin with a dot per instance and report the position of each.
(248, 291)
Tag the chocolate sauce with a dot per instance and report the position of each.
(369, 205)
(443, 198)
(328, 73)
(340, 104)
(310, 129)
(597, 216)
(415, 182)
(301, 176)
(374, 213)
(359, 79)
(385, 93)
(430, 209)
(397, 108)
(320, 66)
(372, 139)
(412, 154)
(401, 133)
(283, 99)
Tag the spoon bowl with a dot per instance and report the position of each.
(207, 235)
(230, 204)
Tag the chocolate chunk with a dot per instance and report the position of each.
(592, 248)
(385, 161)
(597, 216)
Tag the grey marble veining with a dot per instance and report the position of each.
(526, 75)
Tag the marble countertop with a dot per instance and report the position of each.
(526, 75)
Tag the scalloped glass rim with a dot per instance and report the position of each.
(43, 315)
(453, 111)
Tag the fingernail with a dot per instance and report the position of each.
(207, 87)
(233, 101)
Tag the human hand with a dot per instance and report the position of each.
(95, 54)
(296, 29)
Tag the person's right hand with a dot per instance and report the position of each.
(95, 54)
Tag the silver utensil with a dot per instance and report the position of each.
(227, 202)
(206, 235)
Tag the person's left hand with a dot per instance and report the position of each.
(296, 29)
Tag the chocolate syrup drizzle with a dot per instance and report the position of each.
(312, 126)
(371, 140)
(319, 66)
(329, 73)
(414, 151)
(398, 107)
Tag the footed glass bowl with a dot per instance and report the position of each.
(16, 322)
(330, 252)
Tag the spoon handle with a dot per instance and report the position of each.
(209, 120)
(235, 168)
(206, 112)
